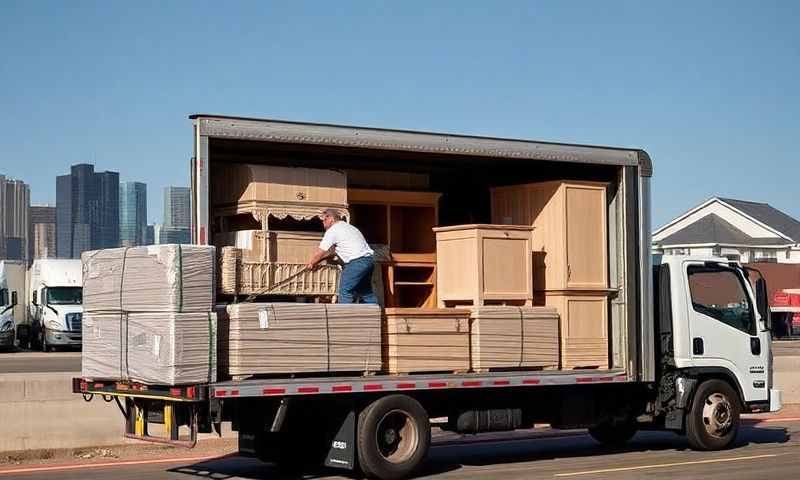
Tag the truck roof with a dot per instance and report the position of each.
(348, 136)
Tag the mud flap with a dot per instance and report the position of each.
(342, 449)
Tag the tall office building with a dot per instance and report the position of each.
(150, 235)
(132, 214)
(177, 207)
(87, 211)
(177, 216)
(15, 198)
(42, 232)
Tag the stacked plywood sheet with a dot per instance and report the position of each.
(148, 314)
(504, 337)
(166, 348)
(426, 340)
(156, 278)
(284, 338)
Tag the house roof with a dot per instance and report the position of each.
(768, 215)
(716, 230)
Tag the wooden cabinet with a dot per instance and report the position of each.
(584, 327)
(483, 264)
(570, 247)
(410, 280)
(426, 340)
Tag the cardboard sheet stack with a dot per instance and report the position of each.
(282, 338)
(506, 337)
(148, 314)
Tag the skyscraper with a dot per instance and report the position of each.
(87, 211)
(15, 198)
(150, 235)
(177, 216)
(132, 214)
(42, 233)
(177, 207)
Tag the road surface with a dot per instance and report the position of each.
(767, 450)
(41, 362)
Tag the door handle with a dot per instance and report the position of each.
(697, 346)
(755, 345)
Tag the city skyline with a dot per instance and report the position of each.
(132, 214)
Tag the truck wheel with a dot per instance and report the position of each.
(713, 421)
(613, 435)
(393, 437)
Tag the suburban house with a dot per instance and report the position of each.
(737, 229)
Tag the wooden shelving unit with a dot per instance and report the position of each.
(404, 221)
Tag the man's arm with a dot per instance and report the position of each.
(318, 256)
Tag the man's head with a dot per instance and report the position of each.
(330, 216)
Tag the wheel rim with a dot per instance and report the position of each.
(717, 415)
(397, 436)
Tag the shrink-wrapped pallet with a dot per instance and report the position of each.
(155, 348)
(284, 338)
(504, 337)
(156, 278)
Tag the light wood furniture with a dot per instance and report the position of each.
(404, 221)
(571, 242)
(505, 337)
(484, 264)
(410, 280)
(268, 190)
(426, 340)
(584, 327)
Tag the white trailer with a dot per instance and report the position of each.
(55, 303)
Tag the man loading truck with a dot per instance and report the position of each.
(356, 280)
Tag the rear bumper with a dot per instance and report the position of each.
(775, 400)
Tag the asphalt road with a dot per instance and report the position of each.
(50, 362)
(764, 451)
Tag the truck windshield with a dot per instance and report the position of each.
(64, 295)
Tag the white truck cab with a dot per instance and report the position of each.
(55, 304)
(714, 325)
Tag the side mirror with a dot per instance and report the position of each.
(33, 299)
(13, 299)
(762, 302)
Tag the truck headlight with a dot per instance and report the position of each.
(6, 326)
(54, 325)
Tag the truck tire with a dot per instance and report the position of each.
(713, 420)
(393, 437)
(613, 435)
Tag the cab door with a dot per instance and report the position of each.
(724, 326)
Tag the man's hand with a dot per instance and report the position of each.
(315, 259)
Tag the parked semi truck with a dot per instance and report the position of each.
(55, 303)
(689, 338)
(12, 314)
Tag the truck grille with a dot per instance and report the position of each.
(74, 321)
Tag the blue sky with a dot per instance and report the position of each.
(709, 89)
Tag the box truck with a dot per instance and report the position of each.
(55, 303)
(689, 343)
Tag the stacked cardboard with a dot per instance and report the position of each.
(426, 340)
(503, 337)
(283, 338)
(165, 348)
(148, 315)
(156, 278)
